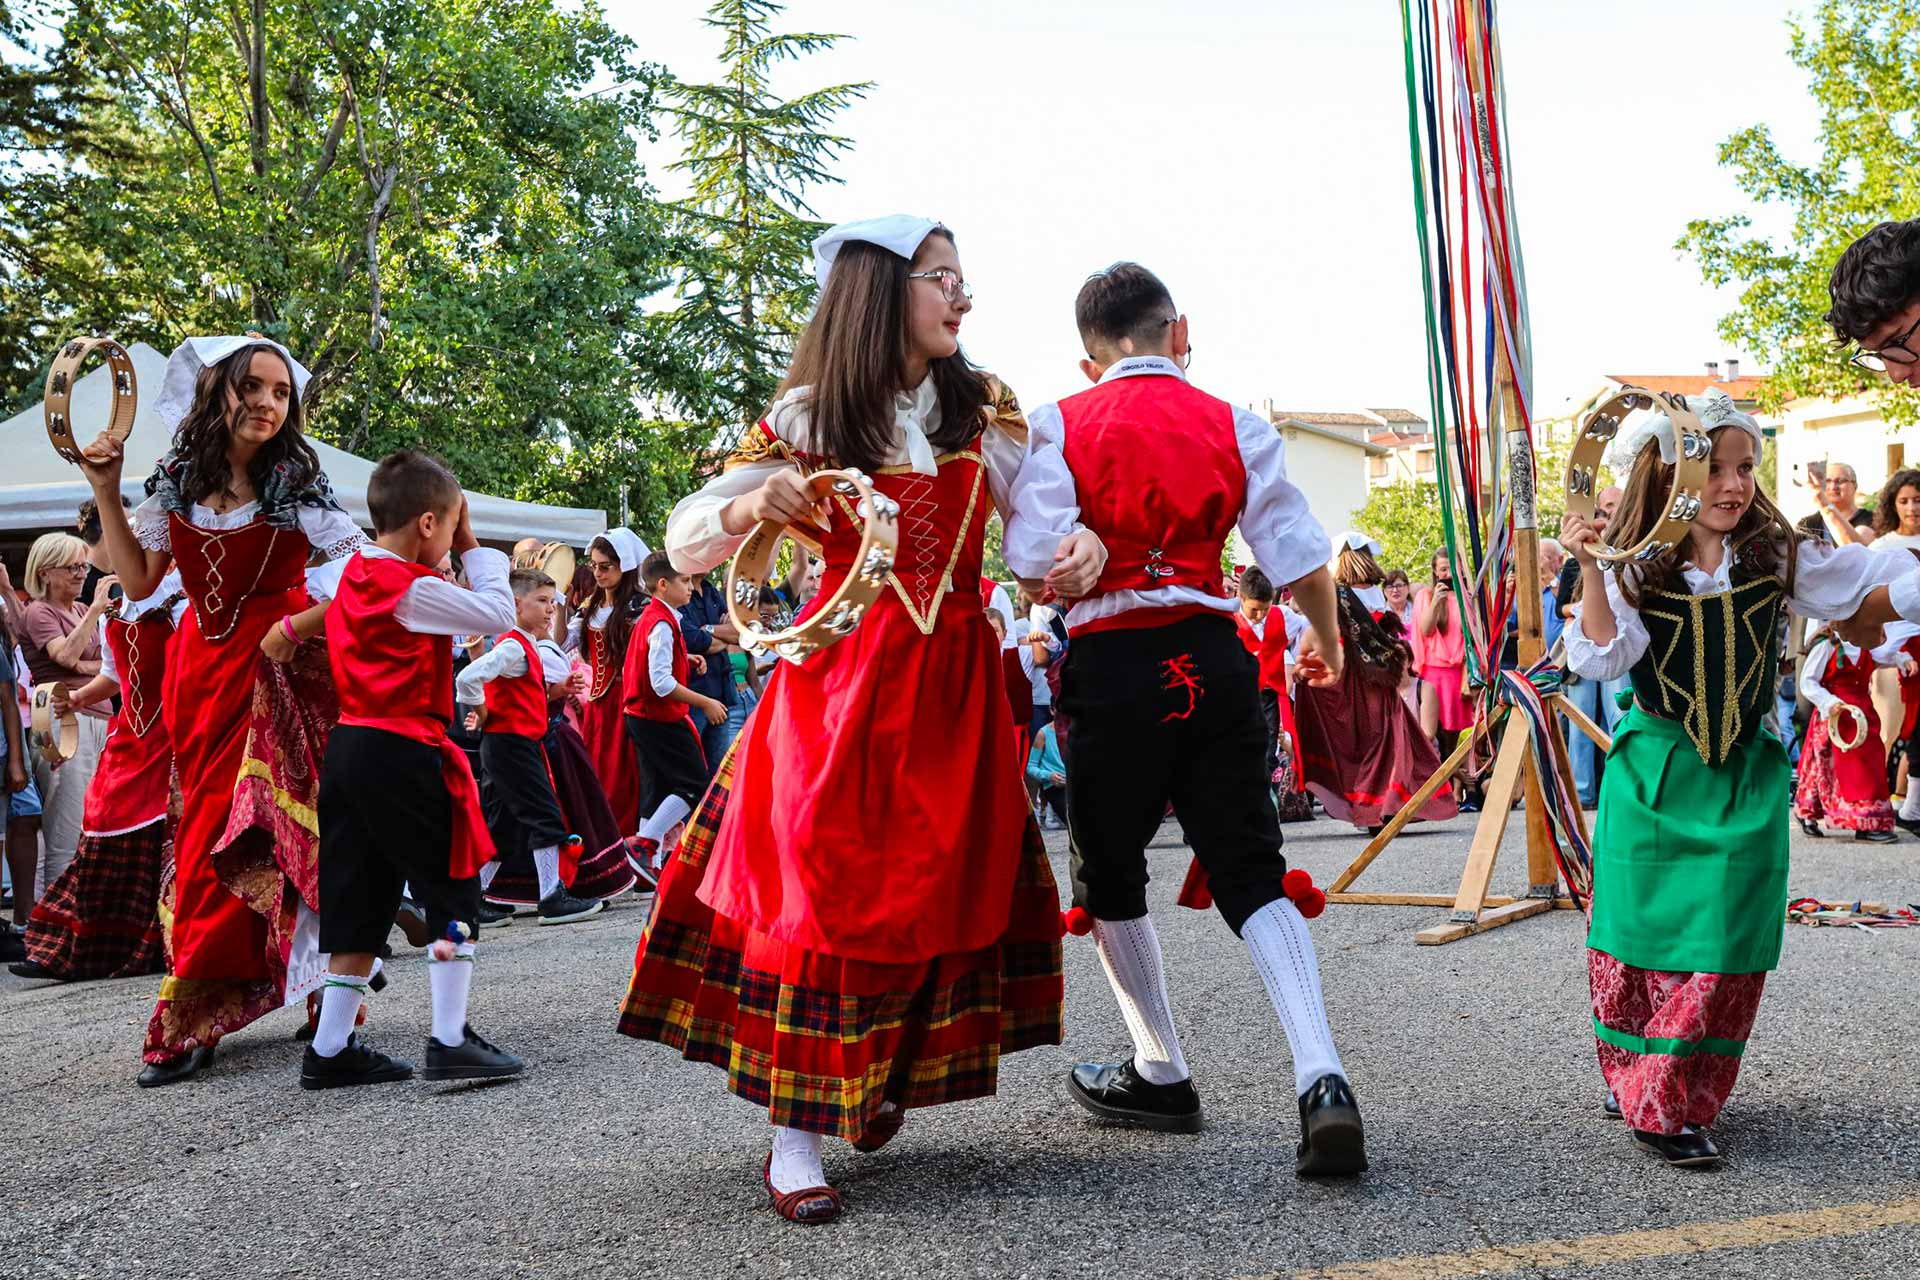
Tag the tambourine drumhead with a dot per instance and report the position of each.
(1859, 718)
(67, 442)
(555, 559)
(1694, 449)
(866, 577)
(58, 746)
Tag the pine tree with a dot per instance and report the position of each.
(751, 156)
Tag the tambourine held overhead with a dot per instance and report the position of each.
(555, 559)
(1682, 505)
(65, 373)
(866, 577)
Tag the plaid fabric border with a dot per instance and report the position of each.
(101, 918)
(796, 1040)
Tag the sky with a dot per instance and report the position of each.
(1254, 155)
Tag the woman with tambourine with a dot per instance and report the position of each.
(861, 919)
(1690, 844)
(1843, 762)
(237, 505)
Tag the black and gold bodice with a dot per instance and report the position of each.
(1711, 663)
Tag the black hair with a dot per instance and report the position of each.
(1256, 586)
(1124, 301)
(1877, 276)
(406, 485)
(88, 521)
(655, 567)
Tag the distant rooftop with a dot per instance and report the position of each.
(1746, 387)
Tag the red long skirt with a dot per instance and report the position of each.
(614, 761)
(1361, 751)
(1847, 790)
(1670, 1043)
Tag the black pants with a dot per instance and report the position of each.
(516, 791)
(1055, 798)
(386, 821)
(1270, 712)
(1159, 714)
(672, 762)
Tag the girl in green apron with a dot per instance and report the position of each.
(1690, 844)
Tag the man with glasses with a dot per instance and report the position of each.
(1840, 518)
(1875, 290)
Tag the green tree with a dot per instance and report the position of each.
(1405, 520)
(751, 156)
(437, 205)
(1862, 58)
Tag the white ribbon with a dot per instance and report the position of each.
(910, 412)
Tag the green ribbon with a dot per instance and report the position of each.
(1667, 1045)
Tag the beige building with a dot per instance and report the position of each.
(1850, 431)
(1330, 457)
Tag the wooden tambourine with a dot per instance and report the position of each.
(1859, 718)
(59, 399)
(752, 566)
(57, 746)
(1694, 448)
(555, 559)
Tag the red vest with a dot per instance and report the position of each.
(1159, 477)
(1270, 647)
(519, 705)
(382, 670)
(640, 699)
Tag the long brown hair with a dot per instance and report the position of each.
(1763, 543)
(626, 604)
(853, 357)
(1356, 567)
(1886, 512)
(207, 430)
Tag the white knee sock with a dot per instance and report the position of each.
(1130, 949)
(449, 981)
(1910, 807)
(1283, 953)
(546, 864)
(487, 873)
(671, 810)
(796, 1160)
(340, 997)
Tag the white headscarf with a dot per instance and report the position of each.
(628, 549)
(1354, 540)
(899, 233)
(1715, 409)
(195, 354)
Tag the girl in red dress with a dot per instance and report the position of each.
(599, 634)
(861, 919)
(1845, 787)
(238, 506)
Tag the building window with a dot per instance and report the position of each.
(1377, 467)
(1425, 459)
(1896, 457)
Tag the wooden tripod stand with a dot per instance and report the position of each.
(1515, 763)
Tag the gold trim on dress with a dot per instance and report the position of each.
(926, 622)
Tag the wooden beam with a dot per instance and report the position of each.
(1431, 900)
(1454, 930)
(1494, 811)
(1408, 811)
(1601, 738)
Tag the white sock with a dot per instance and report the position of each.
(1277, 936)
(1910, 807)
(671, 810)
(449, 981)
(487, 873)
(340, 998)
(1130, 949)
(796, 1160)
(546, 864)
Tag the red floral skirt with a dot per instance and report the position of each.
(1847, 790)
(819, 1041)
(1670, 1043)
(1361, 751)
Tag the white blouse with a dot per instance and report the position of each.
(1276, 523)
(1829, 582)
(1814, 667)
(598, 621)
(332, 533)
(133, 610)
(695, 538)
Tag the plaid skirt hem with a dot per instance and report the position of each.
(822, 1042)
(101, 918)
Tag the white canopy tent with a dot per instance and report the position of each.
(41, 490)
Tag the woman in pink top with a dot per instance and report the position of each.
(1440, 655)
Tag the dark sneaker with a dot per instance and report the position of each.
(1876, 837)
(413, 923)
(561, 907)
(355, 1064)
(472, 1059)
(1118, 1092)
(492, 917)
(1910, 825)
(13, 943)
(1331, 1139)
(643, 855)
(1688, 1149)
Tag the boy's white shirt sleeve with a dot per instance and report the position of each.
(435, 607)
(1277, 525)
(502, 662)
(1811, 669)
(555, 666)
(1045, 501)
(660, 659)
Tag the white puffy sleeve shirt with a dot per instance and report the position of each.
(1829, 582)
(332, 533)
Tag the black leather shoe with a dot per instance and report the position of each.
(1811, 827)
(1117, 1092)
(561, 907)
(1612, 1107)
(185, 1067)
(1876, 837)
(1331, 1140)
(1689, 1149)
(29, 969)
(413, 923)
(1910, 825)
(472, 1059)
(355, 1064)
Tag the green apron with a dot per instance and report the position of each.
(1690, 860)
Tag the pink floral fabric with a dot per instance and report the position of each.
(1664, 1092)
(1853, 800)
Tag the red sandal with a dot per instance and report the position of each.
(809, 1206)
(880, 1130)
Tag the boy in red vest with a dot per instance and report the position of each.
(511, 683)
(1264, 633)
(397, 798)
(659, 709)
(1128, 494)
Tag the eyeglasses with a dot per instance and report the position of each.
(76, 570)
(952, 287)
(1895, 352)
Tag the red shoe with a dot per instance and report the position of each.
(809, 1206)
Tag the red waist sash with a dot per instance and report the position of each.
(471, 847)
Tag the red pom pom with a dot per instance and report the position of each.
(1311, 903)
(1078, 922)
(1295, 883)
